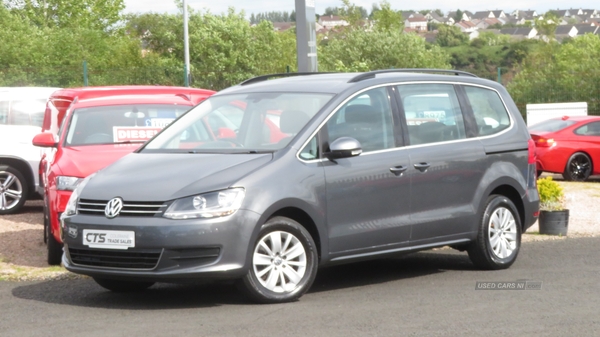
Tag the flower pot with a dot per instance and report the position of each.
(554, 222)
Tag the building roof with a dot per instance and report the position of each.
(587, 29)
(562, 30)
(516, 31)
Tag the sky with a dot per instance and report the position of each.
(259, 6)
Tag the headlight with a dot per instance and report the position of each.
(71, 208)
(64, 183)
(208, 205)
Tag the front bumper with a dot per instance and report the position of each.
(165, 250)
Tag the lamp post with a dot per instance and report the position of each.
(186, 46)
(306, 36)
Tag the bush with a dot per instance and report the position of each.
(551, 195)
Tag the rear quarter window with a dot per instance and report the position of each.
(489, 110)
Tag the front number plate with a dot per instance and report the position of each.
(108, 239)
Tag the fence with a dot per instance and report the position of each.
(75, 76)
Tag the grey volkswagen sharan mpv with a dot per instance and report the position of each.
(267, 181)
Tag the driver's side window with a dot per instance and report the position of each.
(367, 118)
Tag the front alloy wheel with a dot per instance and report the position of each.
(13, 190)
(284, 263)
(279, 261)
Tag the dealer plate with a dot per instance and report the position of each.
(94, 238)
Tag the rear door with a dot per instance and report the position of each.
(446, 162)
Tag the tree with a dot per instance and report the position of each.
(387, 19)
(352, 14)
(554, 73)
(491, 39)
(92, 14)
(458, 16)
(374, 9)
(225, 49)
(332, 11)
(362, 50)
(546, 25)
(160, 33)
(449, 36)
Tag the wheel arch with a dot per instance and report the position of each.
(513, 195)
(580, 151)
(25, 169)
(307, 215)
(304, 220)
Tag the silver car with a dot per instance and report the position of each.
(21, 117)
(310, 170)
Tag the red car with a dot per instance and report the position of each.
(96, 131)
(569, 146)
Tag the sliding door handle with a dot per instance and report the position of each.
(422, 166)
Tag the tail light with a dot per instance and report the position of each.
(542, 141)
(531, 151)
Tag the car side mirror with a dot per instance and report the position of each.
(344, 147)
(45, 139)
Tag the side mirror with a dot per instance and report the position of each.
(226, 133)
(344, 147)
(45, 139)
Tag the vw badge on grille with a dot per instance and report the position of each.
(113, 207)
(72, 231)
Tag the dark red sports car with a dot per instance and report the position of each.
(569, 146)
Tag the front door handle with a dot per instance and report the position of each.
(422, 166)
(398, 170)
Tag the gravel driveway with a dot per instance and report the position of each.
(23, 252)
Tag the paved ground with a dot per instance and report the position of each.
(424, 294)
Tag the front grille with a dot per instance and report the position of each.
(130, 208)
(143, 259)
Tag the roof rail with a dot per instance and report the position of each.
(267, 77)
(371, 74)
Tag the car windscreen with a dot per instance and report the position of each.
(240, 123)
(130, 123)
(551, 125)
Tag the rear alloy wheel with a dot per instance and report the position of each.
(284, 263)
(120, 286)
(579, 167)
(13, 190)
(499, 238)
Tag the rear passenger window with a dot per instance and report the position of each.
(432, 113)
(591, 129)
(490, 114)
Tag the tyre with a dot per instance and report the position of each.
(46, 223)
(579, 167)
(499, 237)
(120, 286)
(284, 263)
(13, 190)
(54, 249)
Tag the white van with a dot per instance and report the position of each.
(21, 116)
